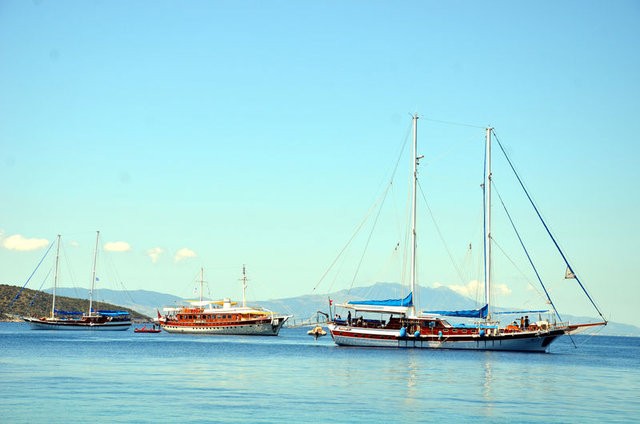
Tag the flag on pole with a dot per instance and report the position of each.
(569, 275)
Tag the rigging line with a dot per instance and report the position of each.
(446, 247)
(366, 217)
(535, 270)
(366, 246)
(353, 236)
(514, 265)
(460, 124)
(28, 279)
(35, 296)
(566, 261)
(44, 280)
(114, 271)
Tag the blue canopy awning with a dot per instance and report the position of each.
(407, 301)
(465, 313)
(61, 312)
(113, 313)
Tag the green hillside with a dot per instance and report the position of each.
(37, 303)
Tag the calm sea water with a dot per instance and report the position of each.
(126, 377)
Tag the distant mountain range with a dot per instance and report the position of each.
(304, 308)
(144, 301)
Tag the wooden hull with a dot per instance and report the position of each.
(376, 337)
(265, 327)
(77, 325)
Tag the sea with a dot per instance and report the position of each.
(125, 377)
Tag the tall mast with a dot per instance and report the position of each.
(487, 223)
(414, 188)
(93, 274)
(55, 279)
(244, 286)
(202, 283)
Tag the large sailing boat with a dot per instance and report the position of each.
(72, 320)
(405, 328)
(221, 317)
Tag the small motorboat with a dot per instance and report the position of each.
(145, 329)
(317, 331)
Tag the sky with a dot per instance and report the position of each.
(220, 133)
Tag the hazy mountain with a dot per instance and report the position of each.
(304, 308)
(144, 301)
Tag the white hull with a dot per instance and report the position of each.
(69, 325)
(406, 328)
(271, 328)
(524, 342)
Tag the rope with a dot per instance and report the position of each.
(35, 296)
(460, 124)
(380, 201)
(506, 255)
(355, 233)
(366, 246)
(446, 247)
(526, 252)
(28, 279)
(566, 261)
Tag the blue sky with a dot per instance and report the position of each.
(215, 134)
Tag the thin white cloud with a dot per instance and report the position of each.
(501, 289)
(21, 243)
(470, 289)
(117, 246)
(473, 287)
(154, 253)
(184, 253)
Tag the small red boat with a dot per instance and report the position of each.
(145, 329)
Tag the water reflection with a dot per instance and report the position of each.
(487, 385)
(414, 374)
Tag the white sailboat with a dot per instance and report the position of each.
(405, 327)
(70, 320)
